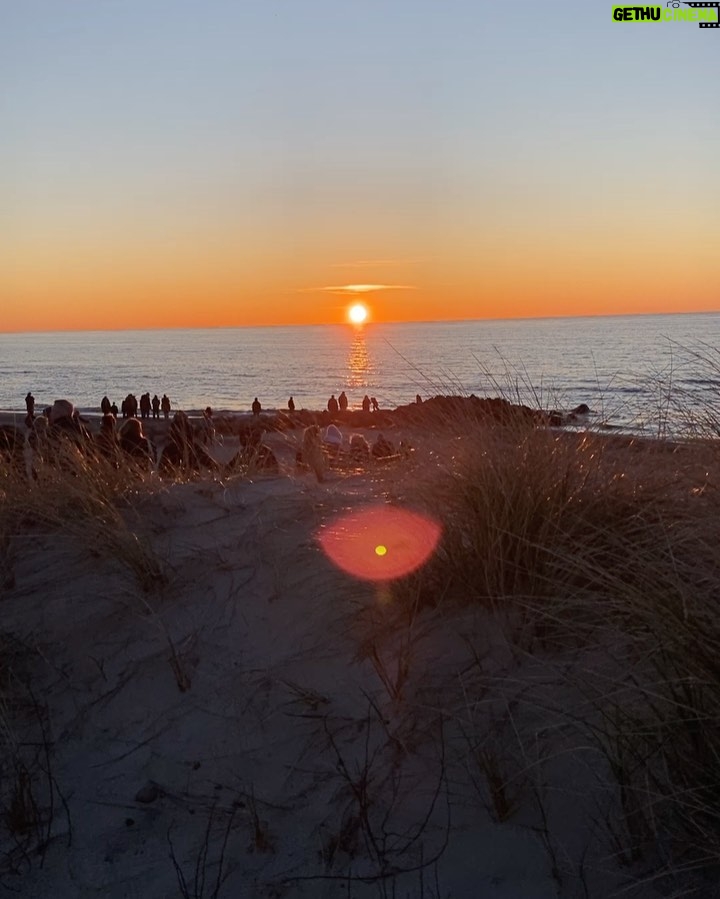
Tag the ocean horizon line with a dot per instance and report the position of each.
(368, 324)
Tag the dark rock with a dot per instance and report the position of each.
(447, 410)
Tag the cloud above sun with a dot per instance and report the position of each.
(353, 289)
(375, 263)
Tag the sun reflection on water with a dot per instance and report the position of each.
(358, 361)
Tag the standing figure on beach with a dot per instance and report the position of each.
(343, 401)
(418, 399)
(366, 403)
(374, 404)
(30, 404)
(114, 410)
(332, 405)
(156, 406)
(165, 405)
(256, 407)
(129, 406)
(291, 405)
(145, 405)
(105, 406)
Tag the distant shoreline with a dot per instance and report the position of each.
(439, 413)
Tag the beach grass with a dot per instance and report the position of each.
(81, 497)
(598, 556)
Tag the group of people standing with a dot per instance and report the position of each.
(153, 407)
(129, 406)
(335, 404)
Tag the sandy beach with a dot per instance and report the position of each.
(203, 704)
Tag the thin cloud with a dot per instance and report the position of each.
(352, 289)
(368, 263)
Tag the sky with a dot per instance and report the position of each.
(213, 163)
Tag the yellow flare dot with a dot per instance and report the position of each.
(381, 550)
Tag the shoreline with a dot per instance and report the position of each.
(435, 414)
(435, 410)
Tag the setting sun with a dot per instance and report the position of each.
(357, 313)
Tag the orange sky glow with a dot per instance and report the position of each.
(474, 276)
(471, 171)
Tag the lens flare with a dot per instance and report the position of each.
(380, 543)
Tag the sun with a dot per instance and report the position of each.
(357, 313)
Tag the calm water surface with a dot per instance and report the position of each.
(620, 366)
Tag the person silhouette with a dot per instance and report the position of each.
(256, 407)
(30, 404)
(332, 405)
(343, 401)
(366, 403)
(291, 405)
(145, 405)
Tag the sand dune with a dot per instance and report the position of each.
(232, 715)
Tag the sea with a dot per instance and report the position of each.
(640, 373)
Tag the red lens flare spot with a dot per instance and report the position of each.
(380, 543)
